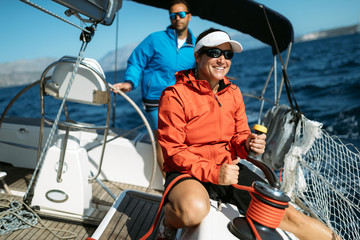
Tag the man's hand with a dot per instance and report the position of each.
(229, 173)
(125, 87)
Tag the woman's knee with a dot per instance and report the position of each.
(190, 203)
(194, 211)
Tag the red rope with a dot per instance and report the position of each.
(261, 212)
(162, 203)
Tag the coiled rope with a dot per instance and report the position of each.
(258, 210)
(20, 216)
(261, 212)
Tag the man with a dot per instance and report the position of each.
(157, 58)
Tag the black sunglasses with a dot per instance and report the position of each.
(181, 15)
(216, 53)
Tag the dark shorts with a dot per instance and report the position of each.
(225, 194)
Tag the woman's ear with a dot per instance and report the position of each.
(197, 57)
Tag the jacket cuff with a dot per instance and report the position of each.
(215, 176)
(131, 83)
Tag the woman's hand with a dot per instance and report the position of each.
(229, 173)
(256, 143)
(124, 86)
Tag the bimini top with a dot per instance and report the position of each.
(246, 16)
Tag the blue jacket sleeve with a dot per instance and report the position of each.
(138, 61)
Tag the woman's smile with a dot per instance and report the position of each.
(212, 68)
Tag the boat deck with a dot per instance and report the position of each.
(17, 180)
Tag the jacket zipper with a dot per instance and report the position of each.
(219, 118)
(217, 100)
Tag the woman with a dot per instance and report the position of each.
(203, 128)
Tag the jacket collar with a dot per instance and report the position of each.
(190, 40)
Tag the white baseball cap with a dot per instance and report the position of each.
(216, 38)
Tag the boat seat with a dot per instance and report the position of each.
(67, 189)
(88, 87)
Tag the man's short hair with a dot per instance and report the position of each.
(173, 2)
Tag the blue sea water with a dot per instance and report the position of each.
(324, 75)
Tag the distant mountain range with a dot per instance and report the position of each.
(26, 71)
(22, 72)
(329, 33)
(108, 61)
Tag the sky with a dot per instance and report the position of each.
(27, 33)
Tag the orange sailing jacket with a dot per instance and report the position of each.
(199, 130)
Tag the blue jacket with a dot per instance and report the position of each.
(157, 59)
